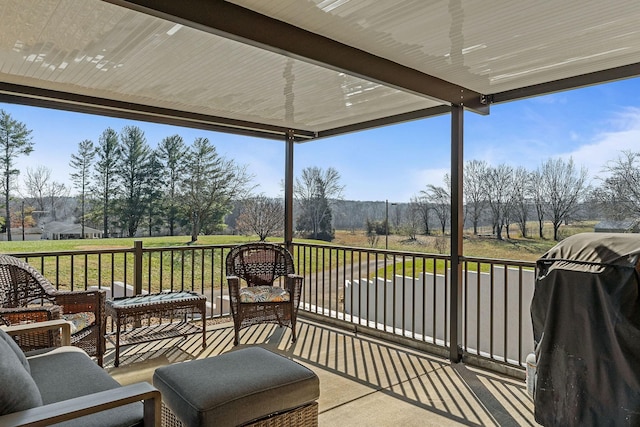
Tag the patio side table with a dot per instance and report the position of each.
(128, 314)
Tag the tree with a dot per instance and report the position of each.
(424, 210)
(619, 194)
(57, 193)
(499, 185)
(413, 216)
(538, 194)
(208, 187)
(440, 200)
(520, 200)
(133, 173)
(36, 183)
(566, 187)
(105, 178)
(172, 153)
(474, 192)
(15, 140)
(315, 191)
(153, 188)
(261, 215)
(81, 163)
(49, 196)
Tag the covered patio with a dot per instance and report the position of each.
(306, 70)
(301, 71)
(364, 381)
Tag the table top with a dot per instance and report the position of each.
(152, 299)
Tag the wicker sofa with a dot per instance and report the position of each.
(63, 385)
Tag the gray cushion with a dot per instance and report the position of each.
(18, 390)
(16, 349)
(68, 372)
(236, 387)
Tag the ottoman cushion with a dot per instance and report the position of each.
(236, 387)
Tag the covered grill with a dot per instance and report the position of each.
(586, 326)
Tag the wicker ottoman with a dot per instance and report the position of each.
(251, 386)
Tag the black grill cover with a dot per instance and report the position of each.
(586, 326)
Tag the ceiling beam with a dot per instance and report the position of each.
(398, 118)
(45, 98)
(589, 79)
(237, 23)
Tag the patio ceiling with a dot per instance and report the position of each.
(317, 67)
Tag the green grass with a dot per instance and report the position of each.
(185, 263)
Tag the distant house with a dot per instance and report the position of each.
(622, 226)
(63, 231)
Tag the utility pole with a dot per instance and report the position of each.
(386, 223)
(23, 220)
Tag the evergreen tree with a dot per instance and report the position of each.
(15, 140)
(210, 184)
(81, 163)
(133, 173)
(106, 187)
(172, 153)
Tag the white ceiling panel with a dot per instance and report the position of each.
(488, 46)
(319, 67)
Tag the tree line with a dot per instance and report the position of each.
(124, 186)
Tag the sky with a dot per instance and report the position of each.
(592, 126)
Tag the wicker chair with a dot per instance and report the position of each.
(264, 268)
(26, 296)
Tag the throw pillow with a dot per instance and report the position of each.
(16, 349)
(18, 391)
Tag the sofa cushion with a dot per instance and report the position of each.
(67, 372)
(18, 391)
(16, 349)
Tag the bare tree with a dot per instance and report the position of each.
(566, 187)
(81, 163)
(36, 183)
(440, 200)
(619, 194)
(538, 194)
(424, 210)
(15, 140)
(316, 190)
(474, 191)
(57, 194)
(261, 215)
(520, 200)
(499, 181)
(413, 219)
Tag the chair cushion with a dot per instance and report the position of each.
(235, 387)
(18, 391)
(66, 372)
(16, 349)
(255, 294)
(80, 321)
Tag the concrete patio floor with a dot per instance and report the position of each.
(364, 381)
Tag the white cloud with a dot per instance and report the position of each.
(608, 145)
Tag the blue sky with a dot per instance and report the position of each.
(591, 125)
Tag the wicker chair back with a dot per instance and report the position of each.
(259, 264)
